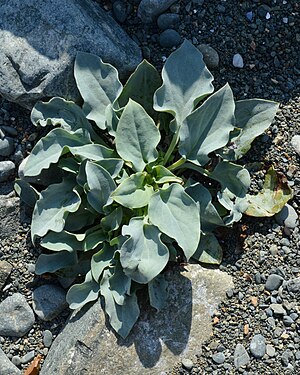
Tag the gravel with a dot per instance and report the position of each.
(256, 247)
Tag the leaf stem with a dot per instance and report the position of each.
(171, 147)
(196, 168)
(177, 164)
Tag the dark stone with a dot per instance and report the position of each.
(168, 21)
(169, 38)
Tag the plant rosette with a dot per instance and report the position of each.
(120, 205)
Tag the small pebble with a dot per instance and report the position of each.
(238, 61)
(273, 282)
(27, 357)
(218, 358)
(187, 363)
(241, 357)
(169, 38)
(47, 338)
(258, 346)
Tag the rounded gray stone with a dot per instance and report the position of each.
(210, 56)
(5, 270)
(273, 282)
(293, 285)
(168, 21)
(295, 142)
(16, 360)
(218, 358)
(270, 350)
(287, 216)
(48, 301)
(7, 170)
(187, 363)
(148, 10)
(169, 38)
(28, 357)
(47, 338)
(258, 346)
(16, 316)
(6, 146)
(241, 357)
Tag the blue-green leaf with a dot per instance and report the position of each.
(63, 241)
(54, 262)
(92, 152)
(113, 220)
(133, 192)
(113, 166)
(157, 290)
(253, 117)
(100, 184)
(121, 317)
(80, 294)
(26, 192)
(119, 284)
(49, 149)
(233, 177)
(137, 136)
(140, 87)
(186, 81)
(98, 84)
(208, 127)
(162, 175)
(209, 250)
(53, 207)
(210, 219)
(101, 260)
(176, 214)
(143, 256)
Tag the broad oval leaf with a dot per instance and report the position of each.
(113, 166)
(137, 136)
(26, 192)
(274, 195)
(59, 111)
(157, 290)
(210, 219)
(113, 220)
(209, 250)
(186, 81)
(177, 215)
(119, 284)
(98, 84)
(53, 207)
(80, 294)
(133, 192)
(233, 177)
(208, 127)
(140, 87)
(100, 184)
(101, 260)
(49, 149)
(253, 117)
(143, 256)
(63, 241)
(54, 262)
(121, 317)
(92, 152)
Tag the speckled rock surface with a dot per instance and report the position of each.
(157, 341)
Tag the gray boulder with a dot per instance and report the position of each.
(9, 216)
(158, 340)
(6, 367)
(16, 316)
(39, 40)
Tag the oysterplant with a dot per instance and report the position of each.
(140, 176)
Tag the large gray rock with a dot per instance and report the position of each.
(6, 367)
(158, 340)
(9, 216)
(16, 316)
(39, 40)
